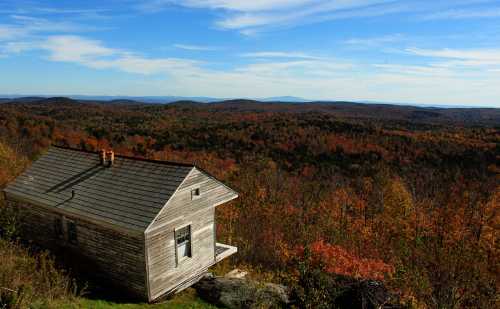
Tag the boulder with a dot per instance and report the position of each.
(236, 273)
(239, 293)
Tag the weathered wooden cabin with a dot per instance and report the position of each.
(149, 226)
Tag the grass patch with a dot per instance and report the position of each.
(185, 300)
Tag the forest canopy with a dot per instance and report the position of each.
(400, 194)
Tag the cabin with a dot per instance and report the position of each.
(147, 226)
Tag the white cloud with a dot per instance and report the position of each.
(73, 48)
(93, 54)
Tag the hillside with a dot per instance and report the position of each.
(428, 115)
(404, 195)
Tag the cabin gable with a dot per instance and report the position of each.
(212, 193)
(193, 205)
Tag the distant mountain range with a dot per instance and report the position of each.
(343, 109)
(171, 99)
(159, 99)
(144, 99)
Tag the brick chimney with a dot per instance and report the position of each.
(111, 157)
(102, 156)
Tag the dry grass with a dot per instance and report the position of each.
(27, 278)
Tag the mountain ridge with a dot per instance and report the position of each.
(203, 99)
(344, 109)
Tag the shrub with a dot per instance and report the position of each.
(335, 259)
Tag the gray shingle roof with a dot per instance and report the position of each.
(129, 194)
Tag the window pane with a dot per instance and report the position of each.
(58, 228)
(195, 193)
(72, 237)
(183, 242)
(183, 250)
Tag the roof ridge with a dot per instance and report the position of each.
(164, 162)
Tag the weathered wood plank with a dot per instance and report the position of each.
(118, 257)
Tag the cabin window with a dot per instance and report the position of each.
(58, 230)
(72, 236)
(183, 243)
(195, 193)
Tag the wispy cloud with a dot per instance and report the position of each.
(63, 11)
(37, 25)
(94, 54)
(8, 32)
(466, 57)
(35, 8)
(278, 54)
(416, 70)
(196, 47)
(18, 47)
(464, 14)
(316, 11)
(375, 41)
(23, 26)
(233, 5)
(251, 17)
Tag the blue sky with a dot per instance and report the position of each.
(436, 52)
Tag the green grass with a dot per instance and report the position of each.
(185, 300)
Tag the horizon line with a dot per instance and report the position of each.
(263, 100)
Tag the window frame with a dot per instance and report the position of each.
(195, 193)
(189, 242)
(72, 232)
(58, 228)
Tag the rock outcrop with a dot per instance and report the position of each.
(240, 293)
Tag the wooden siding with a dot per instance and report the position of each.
(118, 257)
(164, 274)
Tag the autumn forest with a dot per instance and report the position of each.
(403, 195)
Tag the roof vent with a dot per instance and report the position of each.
(111, 157)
